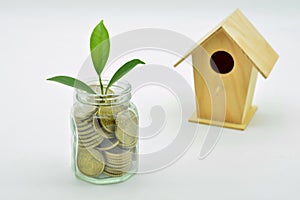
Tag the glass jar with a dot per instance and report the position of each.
(105, 134)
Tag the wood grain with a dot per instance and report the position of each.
(227, 98)
(221, 96)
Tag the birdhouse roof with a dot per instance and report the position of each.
(249, 40)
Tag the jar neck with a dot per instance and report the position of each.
(118, 93)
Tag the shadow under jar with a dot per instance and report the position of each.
(105, 134)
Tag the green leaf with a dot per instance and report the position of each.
(122, 71)
(100, 47)
(73, 83)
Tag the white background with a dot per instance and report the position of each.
(40, 39)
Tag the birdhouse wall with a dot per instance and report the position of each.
(250, 95)
(222, 97)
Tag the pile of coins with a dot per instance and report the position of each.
(107, 139)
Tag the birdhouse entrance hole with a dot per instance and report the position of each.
(222, 62)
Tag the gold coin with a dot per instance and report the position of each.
(89, 135)
(84, 124)
(119, 166)
(85, 129)
(113, 175)
(125, 139)
(83, 112)
(129, 146)
(119, 162)
(88, 132)
(117, 153)
(127, 127)
(123, 156)
(107, 144)
(90, 139)
(117, 170)
(90, 162)
(107, 115)
(118, 159)
(99, 129)
(127, 121)
(91, 144)
(82, 120)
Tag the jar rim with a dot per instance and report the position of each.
(126, 85)
(123, 94)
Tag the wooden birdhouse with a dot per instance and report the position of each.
(226, 63)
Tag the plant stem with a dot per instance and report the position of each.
(101, 86)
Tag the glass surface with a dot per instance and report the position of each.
(105, 135)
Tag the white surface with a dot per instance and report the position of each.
(41, 39)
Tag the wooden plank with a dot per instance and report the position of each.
(212, 85)
(247, 37)
(251, 90)
(254, 45)
(242, 126)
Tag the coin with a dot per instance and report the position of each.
(113, 175)
(117, 170)
(87, 131)
(107, 144)
(90, 162)
(91, 144)
(84, 120)
(117, 157)
(90, 139)
(119, 161)
(129, 146)
(84, 123)
(127, 127)
(107, 116)
(87, 136)
(83, 111)
(118, 166)
(117, 153)
(127, 121)
(98, 128)
(125, 139)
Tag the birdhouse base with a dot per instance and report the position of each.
(242, 126)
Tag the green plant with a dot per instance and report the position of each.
(99, 47)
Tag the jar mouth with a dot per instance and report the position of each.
(119, 92)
